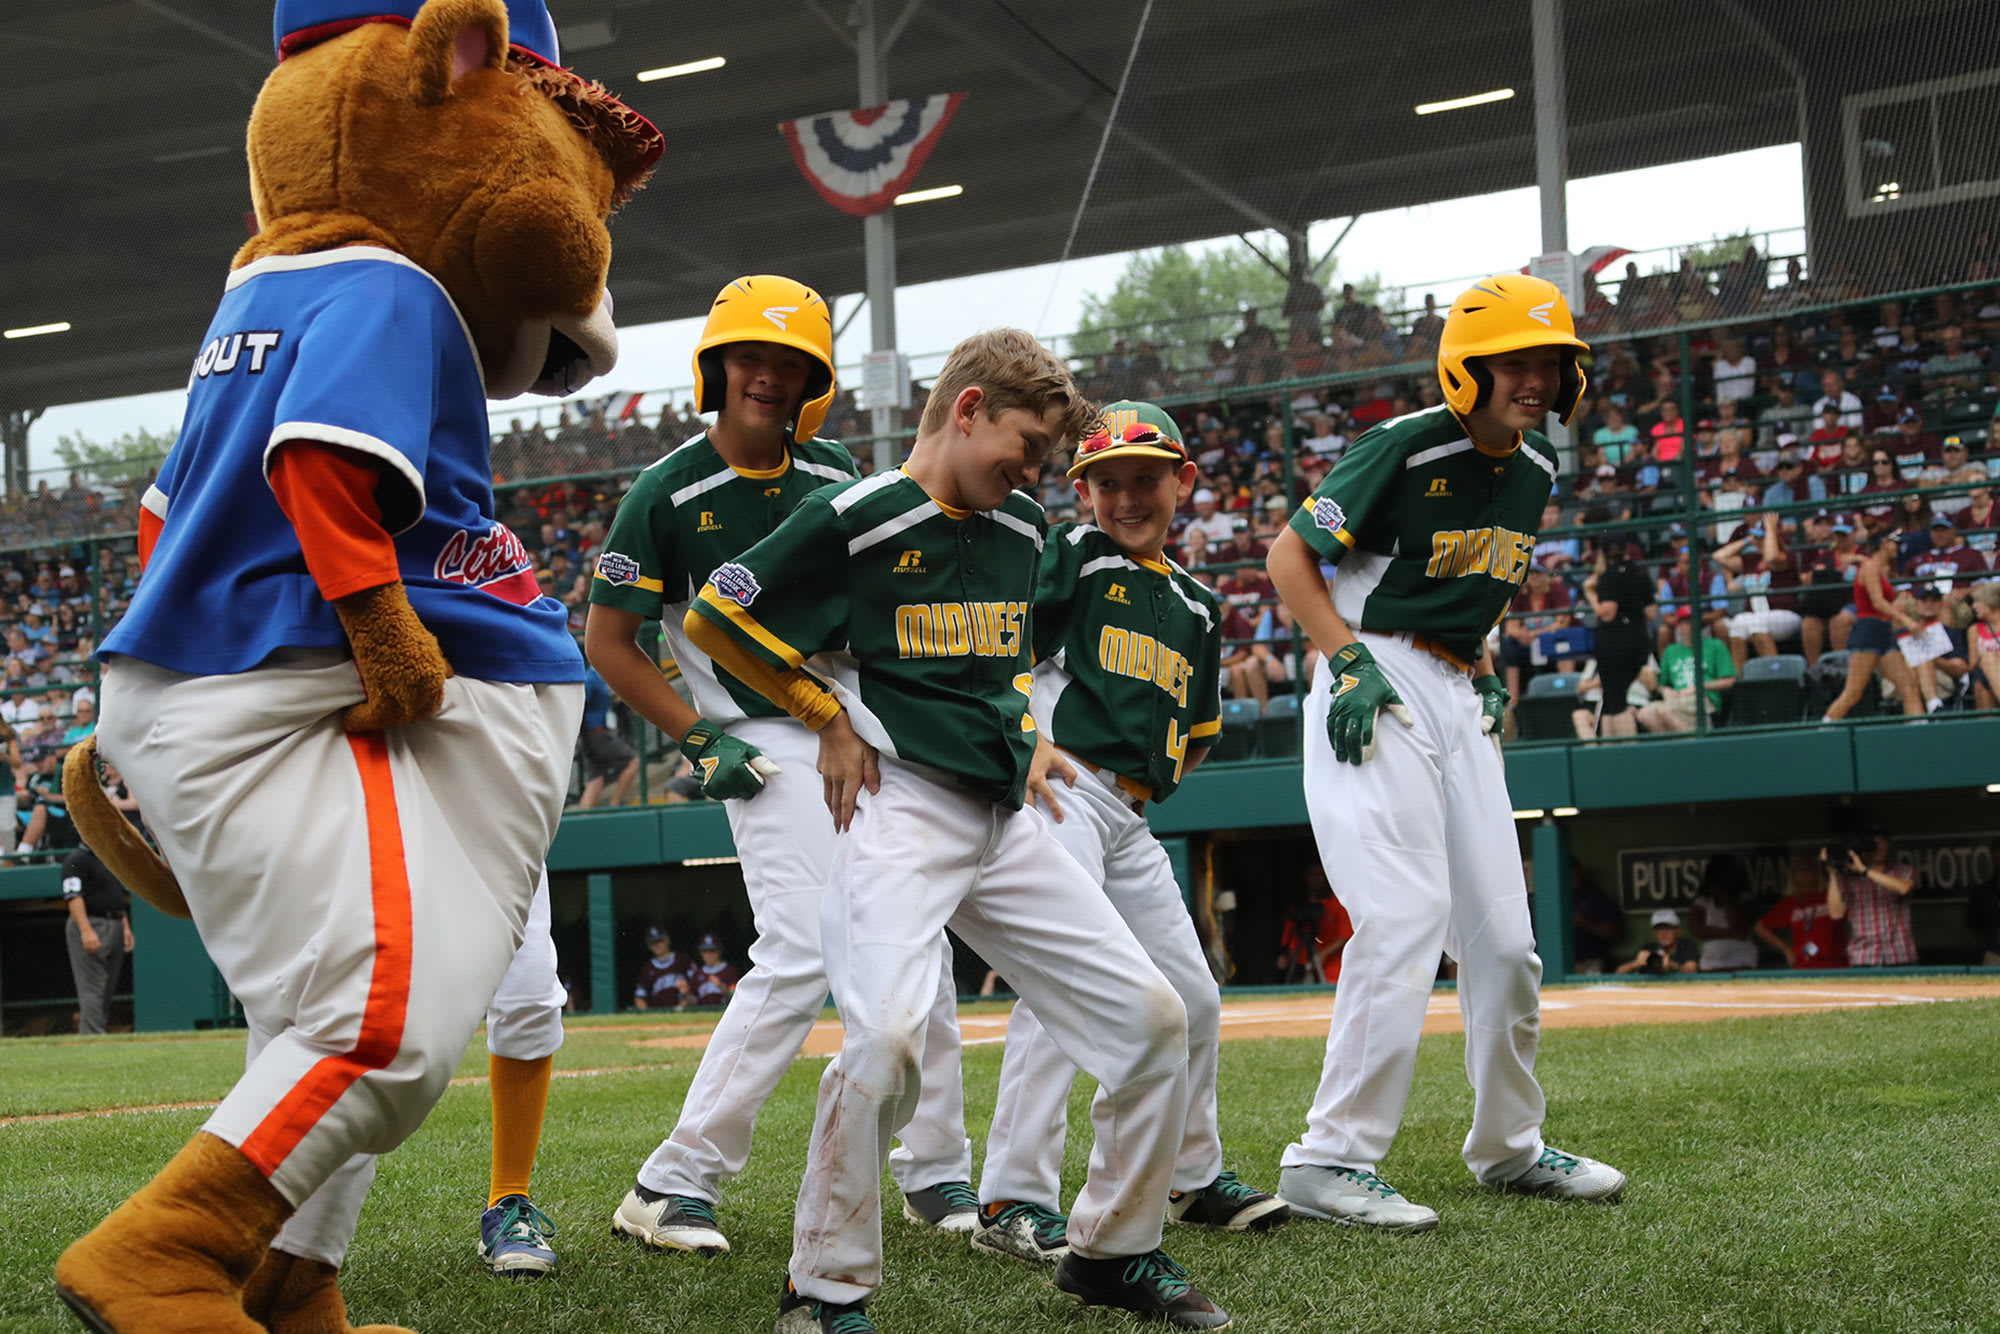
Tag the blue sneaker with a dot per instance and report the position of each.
(514, 1239)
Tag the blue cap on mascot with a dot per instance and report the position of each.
(531, 34)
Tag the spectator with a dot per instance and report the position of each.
(1784, 412)
(1926, 603)
(1668, 953)
(1872, 640)
(1984, 648)
(1735, 372)
(1425, 330)
(1872, 894)
(99, 935)
(85, 722)
(1982, 914)
(1793, 484)
(1674, 710)
(1669, 433)
(1813, 937)
(1315, 933)
(1949, 561)
(663, 978)
(711, 981)
(605, 753)
(1955, 370)
(1615, 437)
(1913, 447)
(1764, 577)
(1722, 920)
(1833, 392)
(1542, 604)
(1828, 436)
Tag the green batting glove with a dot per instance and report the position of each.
(1359, 691)
(1493, 700)
(729, 769)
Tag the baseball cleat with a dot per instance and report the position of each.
(1569, 1176)
(1150, 1286)
(800, 1314)
(1030, 1233)
(949, 1206)
(669, 1222)
(1228, 1204)
(514, 1239)
(1353, 1197)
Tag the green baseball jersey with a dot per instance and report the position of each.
(912, 617)
(687, 514)
(1130, 658)
(1432, 533)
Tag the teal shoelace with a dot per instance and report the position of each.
(1559, 1161)
(1369, 1181)
(957, 1194)
(1229, 1188)
(854, 1320)
(1160, 1273)
(699, 1210)
(524, 1222)
(1050, 1227)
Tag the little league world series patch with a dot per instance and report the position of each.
(735, 583)
(617, 570)
(1328, 515)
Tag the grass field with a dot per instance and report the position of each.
(1820, 1172)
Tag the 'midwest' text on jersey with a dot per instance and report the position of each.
(955, 629)
(1500, 552)
(1130, 653)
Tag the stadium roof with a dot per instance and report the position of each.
(125, 187)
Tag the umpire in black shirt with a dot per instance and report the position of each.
(99, 933)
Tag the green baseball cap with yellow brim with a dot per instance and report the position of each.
(1128, 429)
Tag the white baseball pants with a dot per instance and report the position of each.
(784, 836)
(361, 896)
(1116, 848)
(922, 854)
(523, 1023)
(1418, 844)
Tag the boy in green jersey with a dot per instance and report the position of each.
(1126, 702)
(764, 366)
(891, 615)
(1431, 519)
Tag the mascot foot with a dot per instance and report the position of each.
(290, 1294)
(174, 1257)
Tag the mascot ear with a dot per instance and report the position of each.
(451, 38)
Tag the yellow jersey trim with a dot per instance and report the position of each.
(763, 474)
(751, 627)
(796, 692)
(950, 511)
(1209, 728)
(1155, 564)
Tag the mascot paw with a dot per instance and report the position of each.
(402, 668)
(173, 1258)
(290, 1294)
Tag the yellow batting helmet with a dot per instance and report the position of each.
(1506, 313)
(765, 308)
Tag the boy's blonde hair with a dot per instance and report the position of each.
(1986, 596)
(1015, 371)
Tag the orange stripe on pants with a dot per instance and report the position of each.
(388, 984)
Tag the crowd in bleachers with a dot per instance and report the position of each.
(1811, 436)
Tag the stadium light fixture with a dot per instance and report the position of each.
(36, 330)
(1529, 815)
(1459, 103)
(921, 196)
(710, 861)
(1993, 787)
(675, 71)
(1563, 812)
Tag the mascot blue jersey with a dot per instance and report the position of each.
(362, 349)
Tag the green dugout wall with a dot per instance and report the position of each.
(615, 869)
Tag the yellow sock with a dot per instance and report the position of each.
(520, 1096)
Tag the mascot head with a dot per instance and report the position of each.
(448, 131)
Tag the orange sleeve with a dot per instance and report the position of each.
(150, 527)
(329, 495)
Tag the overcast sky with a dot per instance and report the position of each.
(1436, 245)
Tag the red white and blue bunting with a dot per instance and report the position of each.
(859, 161)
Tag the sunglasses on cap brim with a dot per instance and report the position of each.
(1139, 433)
